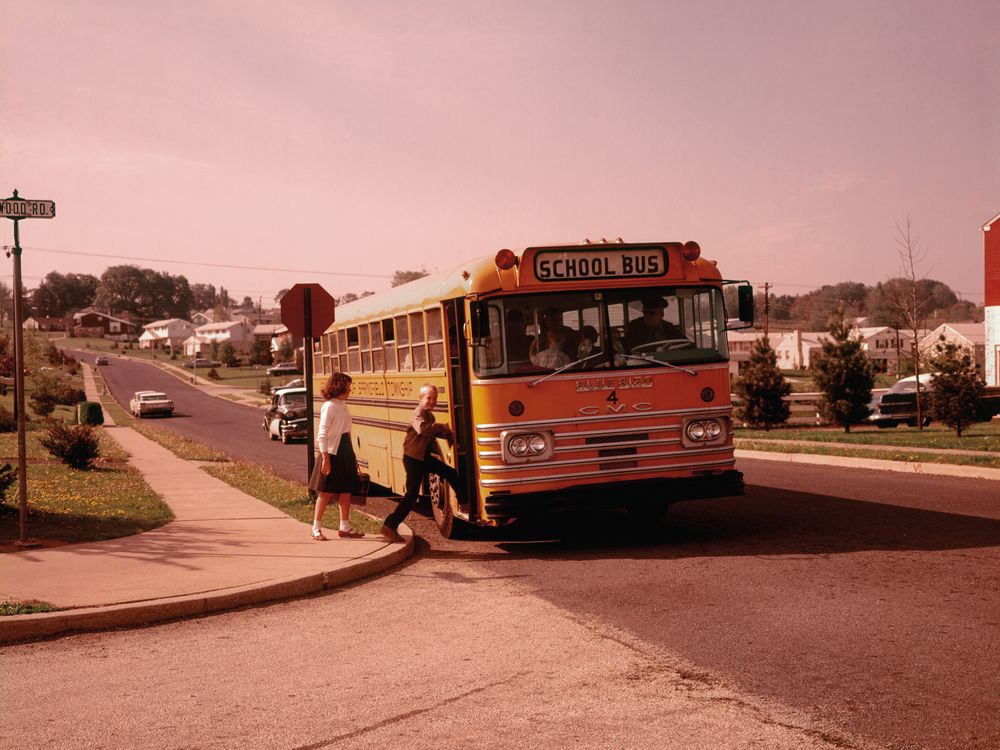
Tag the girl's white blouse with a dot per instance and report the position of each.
(334, 421)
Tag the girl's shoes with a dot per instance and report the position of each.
(318, 536)
(351, 534)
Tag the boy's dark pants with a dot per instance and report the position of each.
(415, 472)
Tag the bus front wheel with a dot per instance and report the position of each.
(444, 516)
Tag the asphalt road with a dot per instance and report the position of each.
(864, 601)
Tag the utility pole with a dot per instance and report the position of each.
(767, 306)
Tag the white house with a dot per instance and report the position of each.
(239, 333)
(165, 334)
(969, 336)
(885, 346)
(795, 349)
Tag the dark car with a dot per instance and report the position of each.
(202, 362)
(899, 404)
(285, 417)
(285, 368)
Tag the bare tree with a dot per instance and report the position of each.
(904, 297)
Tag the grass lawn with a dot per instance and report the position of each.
(288, 497)
(67, 506)
(988, 461)
(982, 436)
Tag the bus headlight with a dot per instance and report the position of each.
(521, 447)
(703, 430)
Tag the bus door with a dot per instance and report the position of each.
(459, 401)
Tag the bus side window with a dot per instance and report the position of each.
(366, 355)
(403, 343)
(389, 345)
(342, 350)
(353, 351)
(376, 334)
(417, 342)
(435, 338)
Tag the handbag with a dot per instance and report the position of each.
(361, 496)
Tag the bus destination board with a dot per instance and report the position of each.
(584, 265)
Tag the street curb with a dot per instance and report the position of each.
(17, 628)
(906, 467)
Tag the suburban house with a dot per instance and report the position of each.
(991, 279)
(969, 336)
(166, 334)
(795, 349)
(203, 317)
(885, 346)
(239, 333)
(96, 324)
(39, 323)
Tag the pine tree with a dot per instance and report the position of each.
(762, 389)
(845, 377)
(956, 388)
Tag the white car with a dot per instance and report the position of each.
(145, 403)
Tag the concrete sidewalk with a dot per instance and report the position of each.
(224, 549)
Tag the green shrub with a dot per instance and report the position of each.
(7, 421)
(89, 412)
(213, 374)
(75, 445)
(265, 386)
(8, 475)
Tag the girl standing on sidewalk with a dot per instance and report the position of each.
(336, 473)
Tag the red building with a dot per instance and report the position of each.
(991, 277)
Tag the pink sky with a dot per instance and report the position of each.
(786, 137)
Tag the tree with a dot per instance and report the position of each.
(910, 302)
(762, 389)
(143, 292)
(286, 350)
(260, 352)
(281, 293)
(845, 377)
(247, 302)
(957, 388)
(228, 356)
(403, 277)
(204, 297)
(59, 295)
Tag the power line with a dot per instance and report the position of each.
(201, 263)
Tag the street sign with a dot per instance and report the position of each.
(293, 310)
(26, 208)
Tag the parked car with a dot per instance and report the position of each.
(202, 362)
(101, 360)
(898, 405)
(147, 403)
(285, 417)
(294, 383)
(284, 368)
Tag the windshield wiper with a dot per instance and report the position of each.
(565, 367)
(655, 362)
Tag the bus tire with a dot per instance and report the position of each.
(440, 498)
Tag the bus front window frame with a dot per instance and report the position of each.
(560, 328)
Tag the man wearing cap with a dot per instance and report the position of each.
(651, 326)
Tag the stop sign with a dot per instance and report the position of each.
(293, 310)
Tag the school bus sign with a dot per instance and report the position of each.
(26, 208)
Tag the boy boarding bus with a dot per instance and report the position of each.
(571, 375)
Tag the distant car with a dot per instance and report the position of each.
(101, 361)
(295, 383)
(202, 362)
(285, 417)
(147, 403)
(899, 404)
(285, 368)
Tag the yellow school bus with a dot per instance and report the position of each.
(572, 375)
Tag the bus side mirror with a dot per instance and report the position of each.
(480, 320)
(744, 296)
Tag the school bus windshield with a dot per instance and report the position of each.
(614, 329)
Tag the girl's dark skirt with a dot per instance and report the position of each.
(343, 476)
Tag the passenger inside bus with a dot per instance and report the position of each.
(553, 356)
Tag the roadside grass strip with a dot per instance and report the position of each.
(886, 454)
(982, 436)
(66, 505)
(288, 497)
(182, 447)
(25, 607)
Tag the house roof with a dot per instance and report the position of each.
(974, 333)
(92, 311)
(163, 323)
(225, 326)
(266, 329)
(986, 227)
